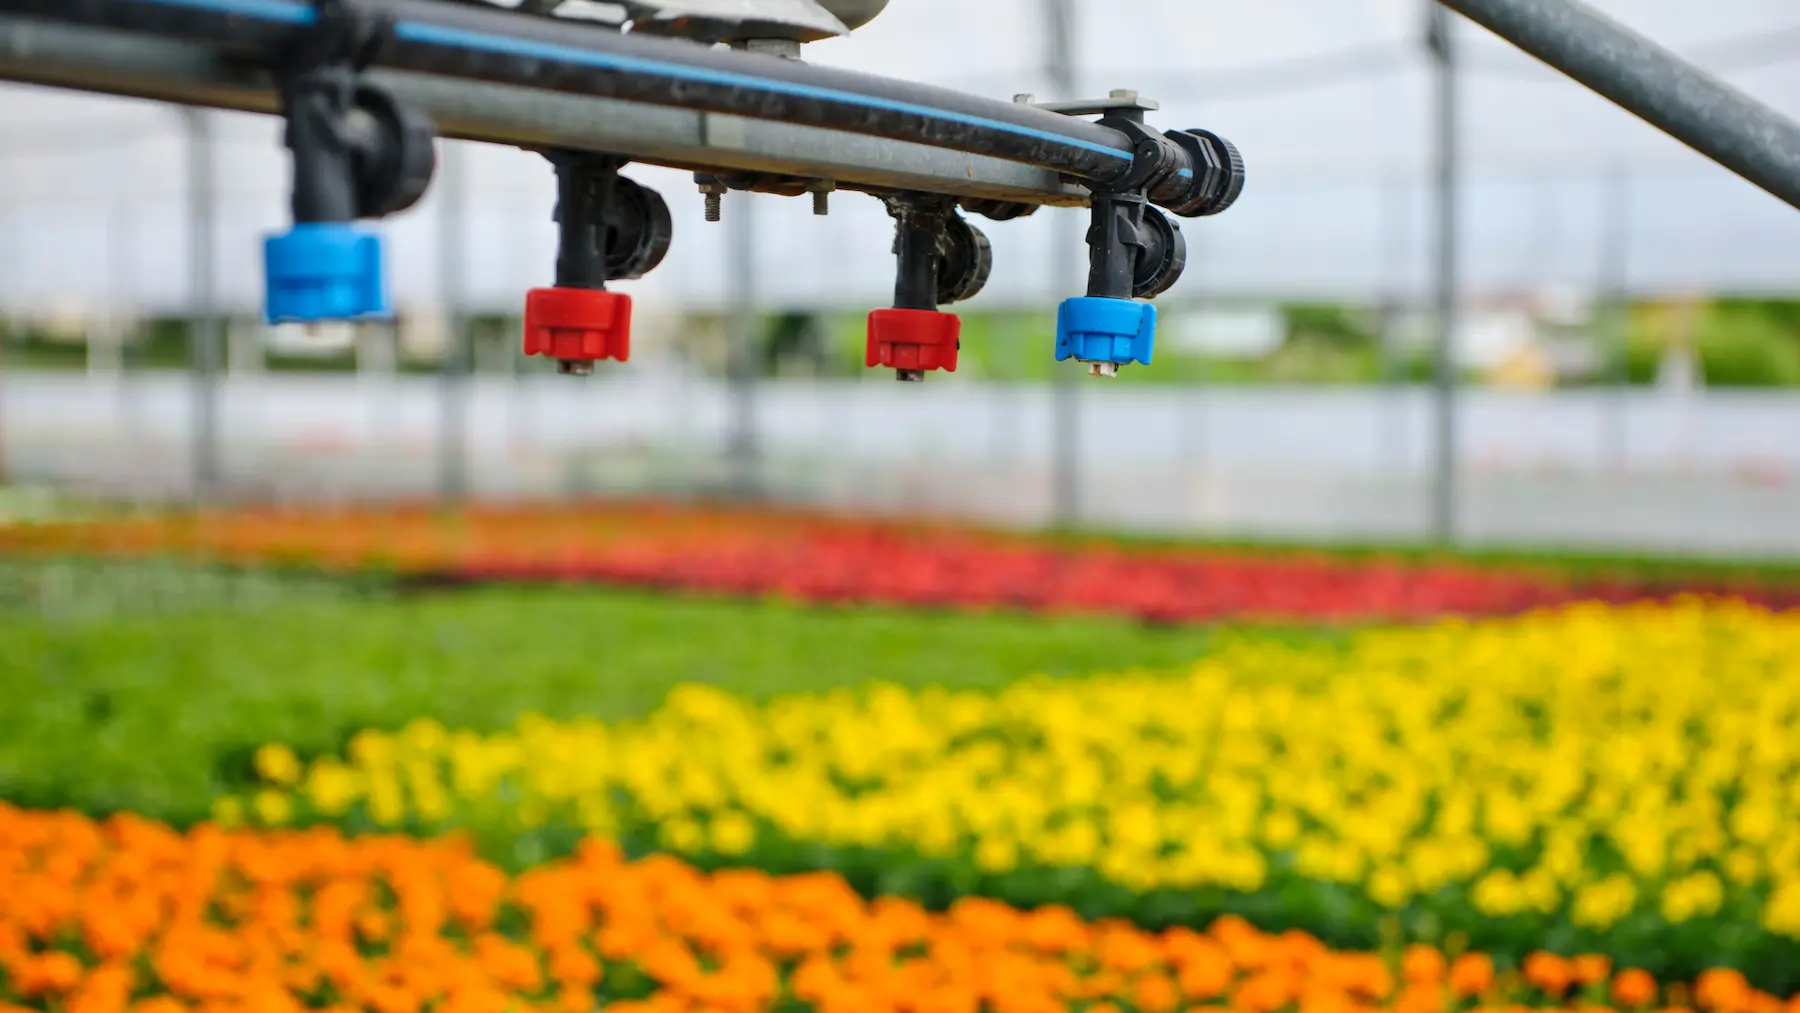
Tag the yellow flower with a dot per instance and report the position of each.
(1389, 888)
(997, 855)
(332, 788)
(1698, 895)
(732, 833)
(276, 764)
(1498, 895)
(387, 806)
(273, 809)
(1601, 905)
(1782, 916)
(1280, 829)
(424, 737)
(1743, 866)
(682, 836)
(370, 748)
(228, 811)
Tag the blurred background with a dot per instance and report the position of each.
(1627, 334)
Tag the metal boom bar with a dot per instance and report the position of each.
(462, 47)
(1691, 105)
(139, 65)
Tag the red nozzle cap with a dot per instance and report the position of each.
(914, 339)
(578, 324)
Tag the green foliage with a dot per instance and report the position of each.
(80, 590)
(1739, 342)
(1749, 344)
(1335, 324)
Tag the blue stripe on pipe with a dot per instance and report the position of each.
(462, 38)
(267, 10)
(412, 31)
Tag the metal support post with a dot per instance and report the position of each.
(1067, 255)
(1615, 314)
(203, 333)
(743, 354)
(453, 369)
(1445, 467)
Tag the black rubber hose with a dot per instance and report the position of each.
(468, 41)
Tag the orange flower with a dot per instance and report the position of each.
(1548, 973)
(1472, 974)
(1204, 973)
(1722, 990)
(1264, 993)
(1155, 993)
(50, 974)
(1421, 997)
(1421, 963)
(229, 922)
(1591, 968)
(1633, 987)
(575, 999)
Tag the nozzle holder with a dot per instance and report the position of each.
(578, 325)
(608, 228)
(939, 258)
(913, 341)
(1100, 330)
(358, 152)
(324, 271)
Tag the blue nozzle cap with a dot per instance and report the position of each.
(1106, 330)
(323, 271)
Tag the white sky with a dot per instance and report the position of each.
(90, 188)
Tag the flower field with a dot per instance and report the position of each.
(820, 560)
(1622, 780)
(1533, 792)
(130, 915)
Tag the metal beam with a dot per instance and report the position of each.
(142, 66)
(1691, 105)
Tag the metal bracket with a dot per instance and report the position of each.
(1123, 103)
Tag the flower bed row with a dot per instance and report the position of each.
(817, 560)
(130, 915)
(1620, 780)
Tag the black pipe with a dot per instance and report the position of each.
(1694, 107)
(493, 44)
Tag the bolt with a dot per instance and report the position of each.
(910, 375)
(574, 367)
(714, 190)
(1125, 94)
(1024, 100)
(1110, 370)
(821, 194)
